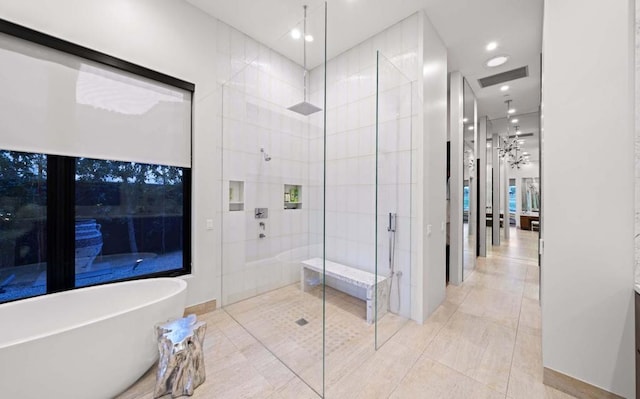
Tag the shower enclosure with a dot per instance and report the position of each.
(316, 198)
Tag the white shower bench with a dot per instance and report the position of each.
(312, 271)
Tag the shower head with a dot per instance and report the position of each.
(267, 158)
(304, 108)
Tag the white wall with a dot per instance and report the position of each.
(431, 205)
(588, 193)
(173, 38)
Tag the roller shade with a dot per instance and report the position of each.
(56, 103)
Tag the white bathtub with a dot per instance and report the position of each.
(87, 343)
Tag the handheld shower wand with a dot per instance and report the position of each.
(391, 228)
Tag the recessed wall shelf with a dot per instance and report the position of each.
(236, 195)
(292, 196)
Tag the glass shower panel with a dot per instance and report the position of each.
(393, 199)
(273, 193)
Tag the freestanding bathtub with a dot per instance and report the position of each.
(87, 343)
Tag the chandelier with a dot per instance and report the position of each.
(509, 148)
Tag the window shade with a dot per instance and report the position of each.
(56, 103)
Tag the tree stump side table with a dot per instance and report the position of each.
(181, 364)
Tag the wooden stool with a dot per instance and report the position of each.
(181, 364)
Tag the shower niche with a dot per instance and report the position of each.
(236, 195)
(292, 196)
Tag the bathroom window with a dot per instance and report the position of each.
(23, 225)
(129, 220)
(95, 167)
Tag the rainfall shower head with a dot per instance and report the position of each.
(267, 158)
(304, 108)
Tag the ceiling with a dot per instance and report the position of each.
(465, 26)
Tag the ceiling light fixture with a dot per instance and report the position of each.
(308, 38)
(497, 61)
(492, 46)
(504, 88)
(511, 111)
(470, 127)
(295, 33)
(508, 147)
(465, 120)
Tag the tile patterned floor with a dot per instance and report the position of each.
(482, 342)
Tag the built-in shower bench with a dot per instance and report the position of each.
(360, 283)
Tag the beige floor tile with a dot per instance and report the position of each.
(523, 386)
(296, 389)
(530, 314)
(456, 294)
(429, 379)
(532, 291)
(419, 336)
(500, 306)
(476, 347)
(378, 376)
(492, 279)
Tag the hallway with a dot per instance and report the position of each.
(482, 342)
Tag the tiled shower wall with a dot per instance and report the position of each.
(255, 116)
(351, 154)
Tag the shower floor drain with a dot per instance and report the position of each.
(301, 322)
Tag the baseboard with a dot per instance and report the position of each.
(574, 387)
(201, 308)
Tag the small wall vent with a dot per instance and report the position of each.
(503, 77)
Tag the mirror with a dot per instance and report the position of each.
(470, 181)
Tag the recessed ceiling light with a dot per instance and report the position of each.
(514, 120)
(488, 145)
(504, 87)
(308, 38)
(525, 153)
(511, 111)
(296, 34)
(492, 46)
(497, 61)
(465, 120)
(470, 127)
